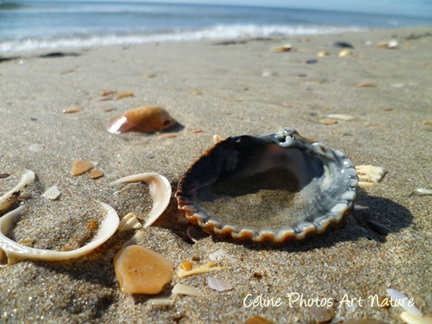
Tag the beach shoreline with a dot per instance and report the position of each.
(225, 88)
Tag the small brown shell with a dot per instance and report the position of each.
(144, 119)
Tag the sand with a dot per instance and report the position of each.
(226, 89)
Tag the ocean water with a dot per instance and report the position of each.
(30, 25)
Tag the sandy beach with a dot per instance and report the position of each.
(225, 88)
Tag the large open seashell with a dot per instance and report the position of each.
(275, 187)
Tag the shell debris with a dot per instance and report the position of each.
(323, 54)
(129, 222)
(219, 284)
(52, 193)
(142, 271)
(423, 191)
(181, 289)
(144, 119)
(204, 268)
(411, 318)
(95, 174)
(72, 110)
(366, 85)
(10, 197)
(16, 252)
(392, 44)
(344, 117)
(284, 48)
(369, 174)
(80, 167)
(159, 188)
(328, 121)
(123, 95)
(345, 53)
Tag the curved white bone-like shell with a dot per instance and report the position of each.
(10, 197)
(159, 188)
(16, 252)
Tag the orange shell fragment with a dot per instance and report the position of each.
(144, 119)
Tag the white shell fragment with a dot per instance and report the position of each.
(36, 147)
(403, 301)
(159, 188)
(411, 318)
(129, 222)
(181, 289)
(52, 193)
(369, 174)
(423, 191)
(16, 252)
(10, 197)
(344, 117)
(218, 284)
(218, 255)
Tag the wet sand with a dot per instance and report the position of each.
(226, 89)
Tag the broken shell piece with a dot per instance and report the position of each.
(124, 95)
(96, 174)
(369, 174)
(392, 44)
(218, 284)
(328, 121)
(411, 318)
(186, 265)
(219, 255)
(52, 193)
(423, 191)
(80, 167)
(129, 222)
(283, 48)
(142, 271)
(322, 314)
(10, 197)
(275, 187)
(144, 119)
(323, 53)
(403, 301)
(344, 117)
(36, 147)
(345, 53)
(366, 85)
(159, 188)
(208, 267)
(72, 110)
(181, 289)
(257, 320)
(16, 252)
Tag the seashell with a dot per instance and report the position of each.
(283, 48)
(123, 95)
(219, 284)
(411, 318)
(10, 197)
(275, 187)
(207, 267)
(16, 252)
(159, 188)
(142, 119)
(403, 301)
